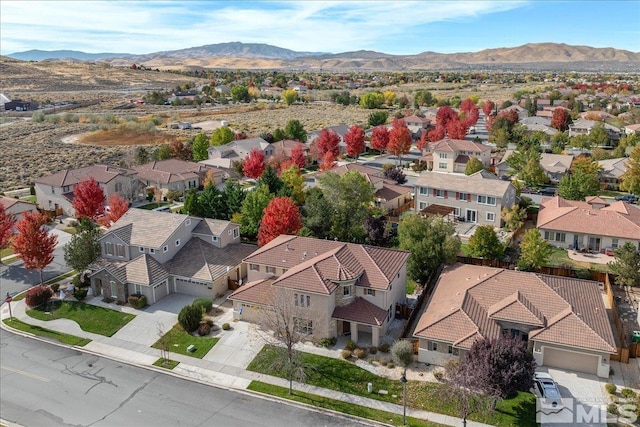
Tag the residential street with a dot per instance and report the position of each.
(15, 278)
(47, 385)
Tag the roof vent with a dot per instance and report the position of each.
(304, 254)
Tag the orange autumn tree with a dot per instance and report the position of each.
(328, 142)
(6, 227)
(297, 155)
(118, 206)
(88, 199)
(354, 139)
(399, 139)
(281, 216)
(380, 138)
(254, 164)
(34, 244)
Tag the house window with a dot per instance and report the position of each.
(462, 196)
(452, 350)
(295, 299)
(271, 270)
(254, 267)
(303, 326)
(66, 189)
(177, 243)
(424, 191)
(53, 190)
(165, 248)
(118, 187)
(137, 289)
(443, 155)
(491, 216)
(432, 346)
(422, 205)
(308, 301)
(487, 200)
(614, 243)
(141, 249)
(457, 212)
(440, 194)
(554, 236)
(108, 248)
(120, 251)
(442, 165)
(346, 291)
(152, 251)
(236, 232)
(370, 292)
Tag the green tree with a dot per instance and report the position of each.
(532, 173)
(513, 217)
(371, 100)
(212, 203)
(190, 317)
(199, 147)
(222, 135)
(350, 196)
(378, 118)
(626, 265)
(484, 243)
(631, 177)
(253, 209)
(431, 241)
(192, 205)
(578, 185)
(279, 135)
(142, 155)
(473, 165)
(289, 96)
(240, 93)
(271, 180)
(233, 196)
(317, 214)
(162, 152)
(294, 130)
(534, 251)
(501, 137)
(580, 141)
(83, 248)
(599, 136)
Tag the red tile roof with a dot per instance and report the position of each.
(361, 311)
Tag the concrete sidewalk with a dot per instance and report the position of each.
(224, 365)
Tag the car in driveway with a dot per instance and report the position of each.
(630, 198)
(545, 388)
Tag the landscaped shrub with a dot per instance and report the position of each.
(612, 408)
(346, 354)
(204, 330)
(189, 317)
(226, 326)
(137, 301)
(350, 345)
(80, 293)
(327, 342)
(210, 322)
(438, 375)
(611, 388)
(627, 393)
(55, 287)
(78, 283)
(373, 349)
(384, 348)
(360, 353)
(38, 295)
(205, 303)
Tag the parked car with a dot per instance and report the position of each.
(549, 191)
(546, 388)
(630, 198)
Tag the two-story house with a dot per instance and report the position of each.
(584, 127)
(477, 198)
(224, 155)
(563, 320)
(331, 288)
(175, 175)
(452, 155)
(55, 192)
(611, 172)
(156, 253)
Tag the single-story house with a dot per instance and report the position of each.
(175, 174)
(612, 170)
(15, 207)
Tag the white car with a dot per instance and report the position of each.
(546, 388)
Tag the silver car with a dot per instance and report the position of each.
(547, 389)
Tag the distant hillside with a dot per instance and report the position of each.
(42, 55)
(532, 56)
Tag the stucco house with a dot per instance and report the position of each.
(176, 175)
(55, 192)
(15, 207)
(555, 166)
(478, 198)
(584, 127)
(333, 288)
(563, 320)
(592, 225)
(612, 170)
(157, 253)
(452, 155)
(224, 155)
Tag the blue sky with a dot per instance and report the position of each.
(395, 27)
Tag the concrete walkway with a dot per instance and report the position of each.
(224, 365)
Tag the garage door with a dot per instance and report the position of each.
(571, 361)
(196, 289)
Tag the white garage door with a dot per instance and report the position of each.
(569, 360)
(196, 289)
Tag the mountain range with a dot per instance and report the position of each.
(532, 56)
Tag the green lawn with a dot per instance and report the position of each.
(153, 205)
(61, 277)
(48, 333)
(560, 257)
(31, 199)
(338, 405)
(90, 318)
(178, 340)
(337, 374)
(6, 252)
(166, 363)
(464, 249)
(411, 286)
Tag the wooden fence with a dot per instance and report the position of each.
(623, 353)
(426, 291)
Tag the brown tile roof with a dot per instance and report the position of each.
(8, 202)
(361, 311)
(469, 301)
(140, 227)
(313, 264)
(101, 173)
(260, 292)
(172, 170)
(142, 270)
(618, 220)
(201, 260)
(451, 145)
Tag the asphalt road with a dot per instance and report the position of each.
(47, 385)
(15, 278)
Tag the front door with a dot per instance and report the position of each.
(114, 289)
(471, 215)
(594, 244)
(577, 241)
(346, 328)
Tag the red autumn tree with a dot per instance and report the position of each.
(467, 105)
(34, 244)
(423, 142)
(328, 142)
(118, 206)
(436, 134)
(399, 139)
(253, 165)
(281, 216)
(297, 155)
(380, 138)
(560, 119)
(457, 129)
(444, 116)
(328, 161)
(6, 227)
(488, 107)
(354, 139)
(88, 199)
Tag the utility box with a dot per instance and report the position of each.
(192, 348)
(370, 387)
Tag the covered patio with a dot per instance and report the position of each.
(361, 317)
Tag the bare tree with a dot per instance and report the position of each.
(461, 387)
(163, 343)
(284, 324)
